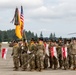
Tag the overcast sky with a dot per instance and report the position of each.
(56, 16)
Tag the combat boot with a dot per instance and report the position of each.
(15, 69)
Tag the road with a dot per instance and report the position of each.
(6, 67)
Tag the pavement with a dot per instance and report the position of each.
(6, 67)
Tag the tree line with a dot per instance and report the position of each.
(9, 35)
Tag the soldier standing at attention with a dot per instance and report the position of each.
(65, 55)
(40, 55)
(24, 55)
(59, 52)
(69, 53)
(32, 49)
(15, 54)
(50, 57)
(73, 54)
(53, 55)
(46, 59)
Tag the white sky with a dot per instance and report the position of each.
(56, 16)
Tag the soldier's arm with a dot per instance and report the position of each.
(18, 51)
(44, 50)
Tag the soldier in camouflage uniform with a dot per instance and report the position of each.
(65, 55)
(54, 59)
(20, 62)
(59, 52)
(15, 54)
(50, 58)
(32, 49)
(69, 54)
(24, 56)
(46, 59)
(73, 54)
(40, 55)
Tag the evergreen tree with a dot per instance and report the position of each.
(41, 35)
(5, 36)
(54, 35)
(36, 37)
(51, 36)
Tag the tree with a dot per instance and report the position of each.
(36, 37)
(0, 36)
(5, 36)
(54, 35)
(41, 35)
(51, 36)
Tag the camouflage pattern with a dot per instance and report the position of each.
(15, 53)
(53, 60)
(73, 53)
(59, 52)
(46, 59)
(65, 60)
(24, 56)
(40, 56)
(32, 49)
(69, 55)
(50, 58)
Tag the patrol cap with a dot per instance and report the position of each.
(32, 39)
(15, 41)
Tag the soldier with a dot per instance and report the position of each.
(59, 53)
(46, 59)
(69, 54)
(24, 55)
(73, 54)
(53, 53)
(55, 58)
(32, 49)
(15, 54)
(20, 62)
(40, 55)
(65, 55)
(50, 58)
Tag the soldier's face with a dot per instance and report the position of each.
(74, 41)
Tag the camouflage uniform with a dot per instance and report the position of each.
(54, 60)
(32, 49)
(24, 56)
(65, 59)
(59, 52)
(46, 59)
(20, 62)
(15, 53)
(40, 56)
(73, 54)
(50, 58)
(69, 55)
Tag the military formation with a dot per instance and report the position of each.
(43, 54)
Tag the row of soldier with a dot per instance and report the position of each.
(39, 55)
